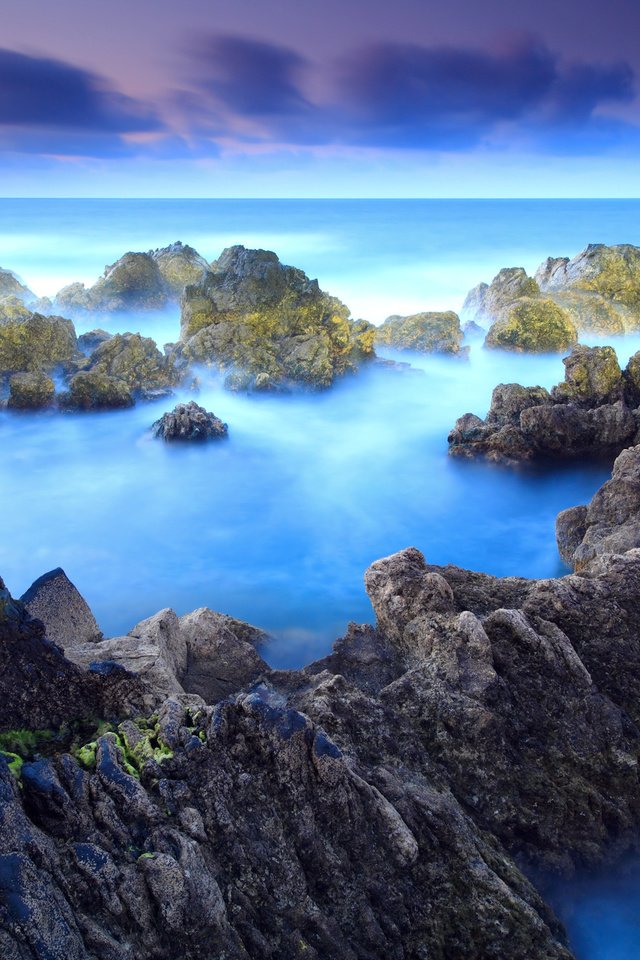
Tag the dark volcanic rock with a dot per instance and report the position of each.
(54, 600)
(270, 323)
(592, 413)
(423, 332)
(188, 421)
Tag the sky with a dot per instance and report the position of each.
(285, 98)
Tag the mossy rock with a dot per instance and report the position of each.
(134, 282)
(136, 361)
(429, 332)
(591, 313)
(592, 377)
(31, 391)
(489, 301)
(95, 390)
(11, 286)
(31, 342)
(533, 326)
(179, 265)
(267, 320)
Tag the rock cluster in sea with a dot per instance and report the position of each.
(423, 332)
(167, 795)
(594, 412)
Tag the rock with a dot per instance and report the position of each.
(54, 600)
(188, 421)
(134, 282)
(472, 330)
(590, 414)
(610, 523)
(179, 265)
(30, 391)
(12, 286)
(533, 326)
(135, 361)
(94, 390)
(488, 302)
(422, 332)
(87, 342)
(31, 342)
(270, 323)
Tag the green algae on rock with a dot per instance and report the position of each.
(269, 321)
(134, 360)
(533, 326)
(31, 342)
(427, 332)
(31, 391)
(95, 390)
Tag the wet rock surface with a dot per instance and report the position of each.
(395, 799)
(594, 412)
(189, 422)
(269, 322)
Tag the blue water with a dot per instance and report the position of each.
(278, 524)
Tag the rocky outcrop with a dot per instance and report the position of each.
(12, 286)
(67, 618)
(30, 391)
(610, 523)
(94, 390)
(422, 332)
(87, 342)
(599, 289)
(533, 325)
(136, 362)
(136, 282)
(189, 422)
(270, 324)
(594, 412)
(33, 343)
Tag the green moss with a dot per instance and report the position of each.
(533, 326)
(24, 743)
(15, 762)
(140, 742)
(30, 342)
(618, 277)
(86, 755)
(425, 332)
(146, 856)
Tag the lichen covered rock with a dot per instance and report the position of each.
(134, 282)
(31, 342)
(12, 286)
(189, 422)
(179, 265)
(95, 390)
(423, 332)
(263, 319)
(533, 326)
(136, 361)
(31, 391)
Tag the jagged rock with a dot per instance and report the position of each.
(30, 391)
(135, 361)
(473, 330)
(610, 523)
(532, 325)
(54, 600)
(12, 286)
(424, 332)
(94, 390)
(270, 323)
(31, 342)
(87, 342)
(592, 413)
(487, 302)
(179, 265)
(190, 422)
(137, 281)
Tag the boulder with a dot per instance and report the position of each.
(179, 265)
(30, 391)
(12, 286)
(592, 377)
(95, 390)
(135, 361)
(533, 325)
(270, 322)
(87, 342)
(473, 331)
(487, 302)
(54, 600)
(188, 421)
(134, 282)
(422, 332)
(33, 343)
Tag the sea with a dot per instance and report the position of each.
(277, 525)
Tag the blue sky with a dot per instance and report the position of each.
(294, 98)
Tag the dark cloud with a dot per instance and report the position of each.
(412, 96)
(51, 106)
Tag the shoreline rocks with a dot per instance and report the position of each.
(423, 332)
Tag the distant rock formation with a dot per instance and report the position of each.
(422, 332)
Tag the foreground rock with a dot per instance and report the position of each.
(136, 361)
(136, 282)
(599, 290)
(189, 422)
(595, 412)
(54, 600)
(94, 390)
(422, 332)
(269, 323)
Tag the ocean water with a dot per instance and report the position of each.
(277, 524)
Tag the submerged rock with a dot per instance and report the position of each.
(31, 391)
(592, 413)
(423, 332)
(270, 322)
(188, 421)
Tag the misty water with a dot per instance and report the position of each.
(277, 524)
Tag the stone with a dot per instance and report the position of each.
(95, 390)
(487, 302)
(87, 342)
(30, 391)
(33, 343)
(533, 325)
(54, 600)
(189, 422)
(592, 377)
(179, 265)
(270, 323)
(134, 282)
(136, 361)
(422, 332)
(12, 286)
